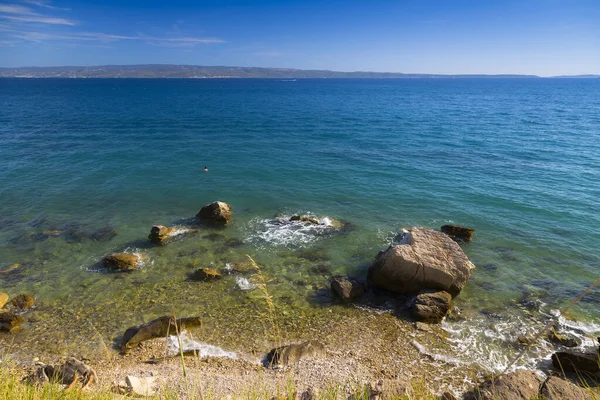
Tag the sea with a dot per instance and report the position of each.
(88, 166)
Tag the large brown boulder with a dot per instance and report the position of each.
(158, 328)
(431, 307)
(122, 261)
(556, 388)
(425, 259)
(518, 385)
(463, 233)
(576, 361)
(217, 213)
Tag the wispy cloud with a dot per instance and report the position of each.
(22, 14)
(32, 36)
(44, 4)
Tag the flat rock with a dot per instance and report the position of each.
(286, 355)
(23, 301)
(463, 233)
(217, 213)
(3, 299)
(347, 289)
(144, 386)
(425, 259)
(555, 388)
(158, 328)
(518, 385)
(431, 307)
(122, 261)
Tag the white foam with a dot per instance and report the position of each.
(203, 349)
(280, 231)
(244, 283)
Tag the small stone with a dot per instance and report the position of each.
(205, 274)
(122, 261)
(286, 355)
(347, 289)
(23, 301)
(3, 299)
(144, 386)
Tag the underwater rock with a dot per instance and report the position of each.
(576, 361)
(23, 301)
(431, 307)
(158, 328)
(3, 299)
(562, 340)
(518, 385)
(555, 388)
(205, 274)
(103, 234)
(347, 289)
(283, 356)
(463, 233)
(426, 259)
(217, 213)
(9, 322)
(122, 261)
(312, 220)
(10, 269)
(69, 373)
(159, 234)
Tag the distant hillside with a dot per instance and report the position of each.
(197, 71)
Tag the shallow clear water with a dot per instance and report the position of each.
(517, 159)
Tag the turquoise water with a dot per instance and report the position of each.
(518, 160)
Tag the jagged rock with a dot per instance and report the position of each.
(217, 213)
(560, 339)
(122, 261)
(347, 289)
(69, 373)
(160, 234)
(205, 274)
(573, 361)
(145, 386)
(285, 355)
(158, 328)
(458, 232)
(431, 307)
(555, 388)
(22, 302)
(425, 259)
(3, 299)
(518, 385)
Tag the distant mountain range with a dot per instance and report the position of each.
(197, 71)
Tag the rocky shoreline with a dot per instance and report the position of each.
(386, 352)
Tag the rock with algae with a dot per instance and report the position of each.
(158, 328)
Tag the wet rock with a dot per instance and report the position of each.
(523, 340)
(160, 234)
(286, 355)
(347, 289)
(518, 385)
(562, 340)
(555, 388)
(426, 259)
(103, 234)
(217, 213)
(576, 361)
(122, 261)
(205, 274)
(9, 322)
(3, 299)
(69, 373)
(462, 233)
(145, 386)
(10, 268)
(158, 328)
(431, 307)
(23, 301)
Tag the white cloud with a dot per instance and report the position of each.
(44, 4)
(17, 13)
(107, 37)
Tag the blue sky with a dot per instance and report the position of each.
(542, 37)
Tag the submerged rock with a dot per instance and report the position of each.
(576, 361)
(205, 274)
(431, 307)
(562, 340)
(463, 233)
(160, 234)
(555, 388)
(103, 234)
(23, 301)
(10, 268)
(518, 385)
(347, 289)
(217, 213)
(122, 261)
(3, 299)
(426, 259)
(285, 355)
(9, 322)
(158, 328)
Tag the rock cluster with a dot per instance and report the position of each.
(10, 311)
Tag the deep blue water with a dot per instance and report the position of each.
(517, 159)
